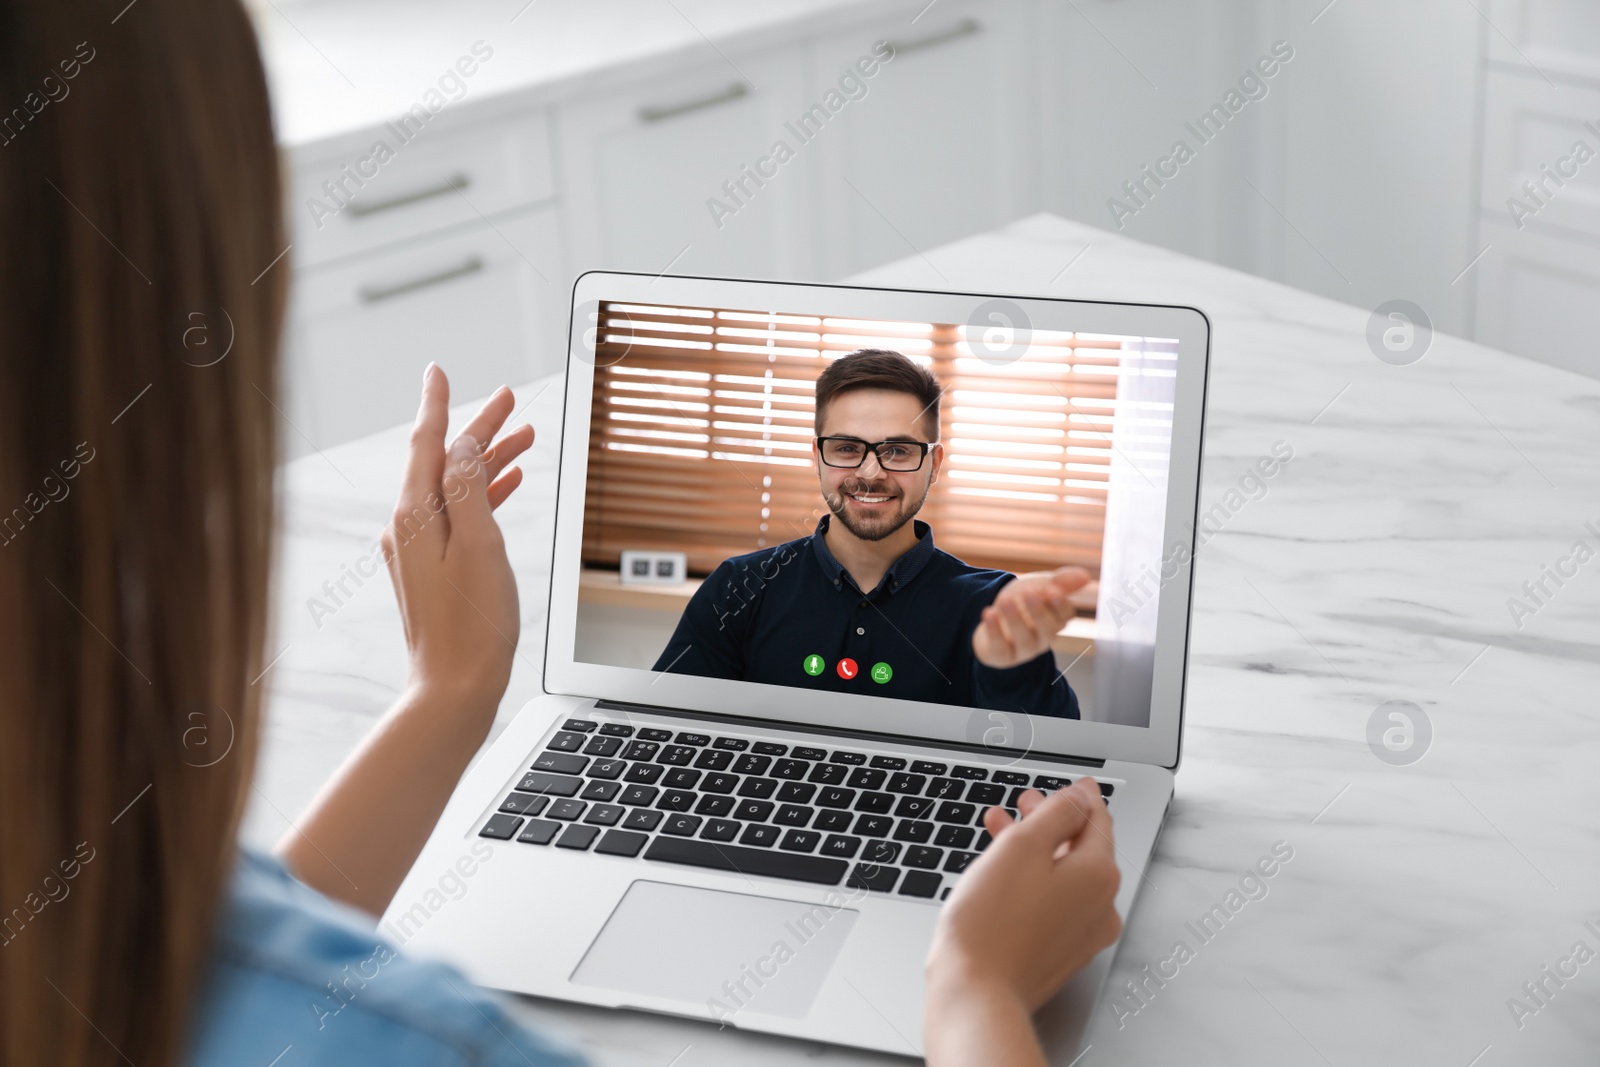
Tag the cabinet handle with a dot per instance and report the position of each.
(454, 183)
(964, 28)
(371, 295)
(728, 95)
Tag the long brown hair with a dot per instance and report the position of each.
(139, 322)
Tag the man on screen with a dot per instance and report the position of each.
(867, 604)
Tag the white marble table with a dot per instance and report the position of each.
(1378, 567)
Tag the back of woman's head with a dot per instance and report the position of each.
(139, 214)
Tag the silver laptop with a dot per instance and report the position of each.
(752, 785)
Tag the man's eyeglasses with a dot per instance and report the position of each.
(850, 452)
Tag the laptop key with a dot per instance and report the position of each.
(1016, 795)
(682, 825)
(954, 836)
(711, 759)
(622, 843)
(560, 762)
(539, 832)
(1050, 782)
(749, 763)
(889, 763)
(841, 846)
(878, 851)
(827, 774)
(920, 884)
(835, 797)
(566, 810)
(923, 766)
(873, 825)
(976, 774)
(651, 733)
(697, 740)
(676, 800)
(556, 785)
(603, 746)
(950, 811)
(907, 783)
(800, 841)
(599, 790)
(605, 814)
(523, 804)
(868, 778)
(676, 756)
(681, 778)
(802, 752)
(957, 862)
(793, 815)
(719, 783)
(757, 834)
(850, 758)
(616, 729)
(946, 789)
(565, 741)
(754, 810)
(760, 788)
(645, 750)
(577, 837)
(910, 830)
(720, 830)
(1106, 788)
(797, 792)
(986, 793)
(643, 773)
(731, 744)
(501, 827)
(875, 803)
(914, 807)
(643, 819)
(792, 769)
(582, 726)
(924, 857)
(871, 876)
(607, 768)
(768, 748)
(713, 804)
(636, 796)
(1009, 778)
(983, 841)
(832, 820)
(794, 866)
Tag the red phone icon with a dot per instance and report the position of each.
(848, 668)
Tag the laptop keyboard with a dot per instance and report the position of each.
(884, 823)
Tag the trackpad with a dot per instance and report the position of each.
(725, 952)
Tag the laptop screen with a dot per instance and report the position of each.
(966, 514)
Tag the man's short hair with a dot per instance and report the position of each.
(879, 368)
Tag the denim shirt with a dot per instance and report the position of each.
(296, 979)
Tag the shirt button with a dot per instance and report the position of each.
(860, 630)
(864, 603)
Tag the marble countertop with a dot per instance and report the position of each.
(340, 66)
(1379, 566)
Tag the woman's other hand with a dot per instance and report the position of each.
(1029, 913)
(447, 558)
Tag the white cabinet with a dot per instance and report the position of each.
(941, 143)
(487, 302)
(642, 165)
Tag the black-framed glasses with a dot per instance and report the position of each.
(851, 452)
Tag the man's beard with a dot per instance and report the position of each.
(874, 525)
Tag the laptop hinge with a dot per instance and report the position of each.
(866, 735)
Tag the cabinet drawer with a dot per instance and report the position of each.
(436, 179)
(1538, 296)
(474, 302)
(1528, 125)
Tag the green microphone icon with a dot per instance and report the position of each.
(815, 665)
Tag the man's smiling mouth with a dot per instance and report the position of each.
(869, 499)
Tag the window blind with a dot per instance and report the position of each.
(702, 424)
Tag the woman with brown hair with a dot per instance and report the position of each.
(140, 195)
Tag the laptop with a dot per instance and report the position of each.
(751, 785)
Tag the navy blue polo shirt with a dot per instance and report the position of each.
(792, 615)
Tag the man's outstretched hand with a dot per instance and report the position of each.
(1029, 611)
